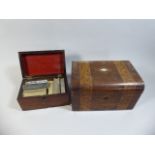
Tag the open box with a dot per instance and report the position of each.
(43, 65)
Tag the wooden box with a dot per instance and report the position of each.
(105, 85)
(43, 65)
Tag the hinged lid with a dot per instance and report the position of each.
(42, 63)
(105, 75)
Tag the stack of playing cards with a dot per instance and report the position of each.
(35, 88)
(44, 87)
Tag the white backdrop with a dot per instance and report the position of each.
(132, 40)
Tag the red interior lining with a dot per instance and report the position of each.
(43, 64)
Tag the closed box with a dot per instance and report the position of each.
(105, 85)
(44, 83)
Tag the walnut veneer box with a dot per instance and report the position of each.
(105, 85)
(43, 65)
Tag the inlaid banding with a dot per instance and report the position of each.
(85, 82)
(127, 80)
(124, 72)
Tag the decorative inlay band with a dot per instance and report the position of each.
(127, 78)
(123, 71)
(86, 83)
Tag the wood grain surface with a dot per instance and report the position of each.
(105, 85)
(38, 102)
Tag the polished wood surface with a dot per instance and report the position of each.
(105, 85)
(38, 102)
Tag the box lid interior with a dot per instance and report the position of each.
(42, 63)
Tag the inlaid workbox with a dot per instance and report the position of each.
(105, 85)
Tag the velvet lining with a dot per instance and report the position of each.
(43, 64)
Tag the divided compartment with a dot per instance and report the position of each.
(56, 85)
(43, 65)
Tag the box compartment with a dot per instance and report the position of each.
(41, 65)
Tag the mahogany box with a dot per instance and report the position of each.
(43, 65)
(105, 85)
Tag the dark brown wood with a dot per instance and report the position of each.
(38, 102)
(105, 85)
